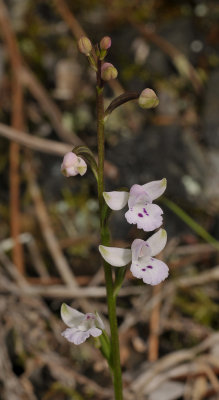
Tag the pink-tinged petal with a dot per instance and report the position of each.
(140, 248)
(138, 195)
(116, 200)
(69, 171)
(81, 166)
(70, 316)
(157, 242)
(115, 256)
(69, 159)
(75, 336)
(155, 188)
(95, 332)
(147, 217)
(152, 272)
(155, 272)
(136, 270)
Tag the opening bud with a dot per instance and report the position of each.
(73, 165)
(85, 45)
(148, 99)
(108, 72)
(105, 43)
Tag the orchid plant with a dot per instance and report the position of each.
(141, 211)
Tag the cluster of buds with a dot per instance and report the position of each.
(108, 71)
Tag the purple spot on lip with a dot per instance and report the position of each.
(143, 269)
(150, 266)
(145, 211)
(140, 215)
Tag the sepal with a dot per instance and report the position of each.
(116, 200)
(115, 256)
(88, 156)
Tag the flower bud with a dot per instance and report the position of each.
(73, 165)
(108, 72)
(105, 43)
(148, 99)
(85, 45)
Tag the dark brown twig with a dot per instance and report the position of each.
(18, 123)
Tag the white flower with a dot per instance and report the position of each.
(81, 326)
(141, 211)
(73, 165)
(144, 265)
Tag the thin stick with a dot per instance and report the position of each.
(34, 142)
(69, 18)
(17, 122)
(43, 218)
(153, 342)
(48, 146)
(48, 106)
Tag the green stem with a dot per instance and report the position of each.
(111, 300)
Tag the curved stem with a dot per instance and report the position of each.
(111, 300)
(118, 101)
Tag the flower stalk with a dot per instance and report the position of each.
(111, 299)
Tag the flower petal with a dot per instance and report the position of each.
(139, 248)
(138, 195)
(69, 171)
(136, 270)
(81, 166)
(155, 188)
(70, 316)
(115, 256)
(147, 217)
(152, 273)
(116, 200)
(157, 242)
(95, 332)
(75, 336)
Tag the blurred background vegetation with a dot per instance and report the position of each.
(48, 93)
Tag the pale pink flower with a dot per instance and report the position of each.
(142, 211)
(73, 165)
(143, 264)
(81, 326)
